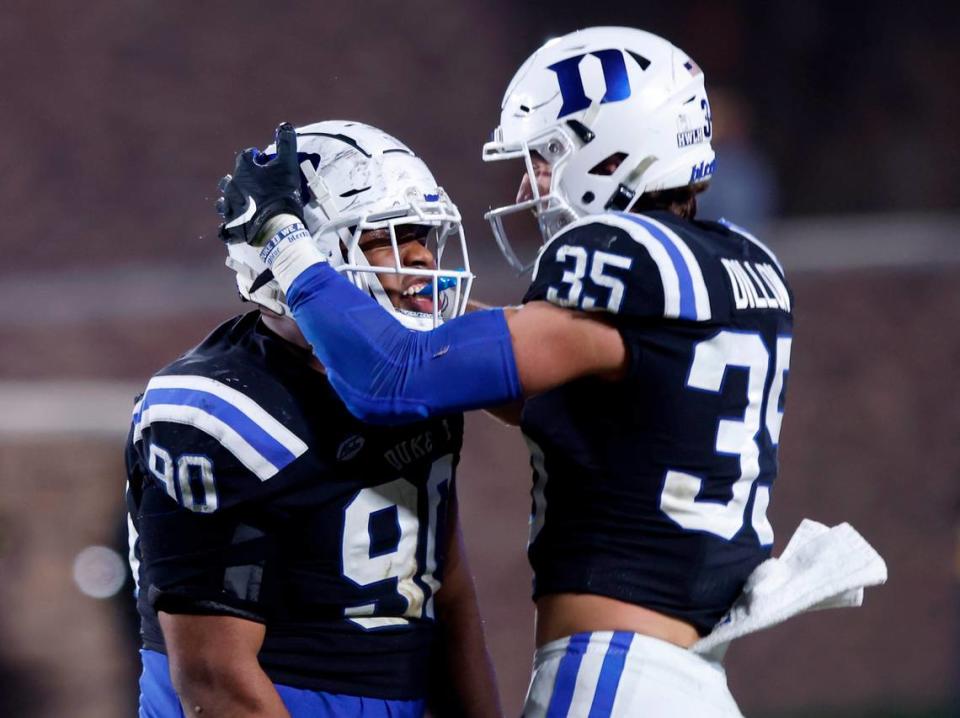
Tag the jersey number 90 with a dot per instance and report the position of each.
(365, 566)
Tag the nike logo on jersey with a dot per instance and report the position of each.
(756, 285)
(350, 447)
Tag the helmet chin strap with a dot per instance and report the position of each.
(631, 185)
(590, 116)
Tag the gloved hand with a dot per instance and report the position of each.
(260, 190)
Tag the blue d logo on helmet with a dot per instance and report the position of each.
(589, 97)
(614, 75)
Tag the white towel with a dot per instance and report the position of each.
(820, 568)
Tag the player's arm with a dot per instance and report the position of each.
(553, 345)
(205, 563)
(508, 414)
(383, 371)
(464, 679)
(387, 373)
(214, 667)
(200, 575)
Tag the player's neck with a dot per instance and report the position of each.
(287, 329)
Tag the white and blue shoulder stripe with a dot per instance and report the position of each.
(685, 294)
(257, 439)
(744, 233)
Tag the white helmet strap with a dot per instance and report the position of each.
(632, 182)
(322, 197)
(590, 116)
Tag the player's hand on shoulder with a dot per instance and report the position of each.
(260, 189)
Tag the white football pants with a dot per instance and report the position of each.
(621, 674)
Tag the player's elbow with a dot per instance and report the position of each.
(384, 404)
(375, 413)
(203, 680)
(195, 676)
(385, 411)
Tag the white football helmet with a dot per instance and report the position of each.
(357, 178)
(593, 94)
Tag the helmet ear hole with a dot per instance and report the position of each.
(609, 164)
(588, 197)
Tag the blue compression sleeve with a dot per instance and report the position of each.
(386, 373)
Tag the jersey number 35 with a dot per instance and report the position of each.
(735, 437)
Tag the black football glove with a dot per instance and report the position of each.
(259, 190)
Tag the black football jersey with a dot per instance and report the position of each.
(253, 492)
(654, 489)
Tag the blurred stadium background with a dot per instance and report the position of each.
(837, 141)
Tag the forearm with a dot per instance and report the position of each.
(383, 371)
(232, 694)
(214, 667)
(470, 677)
(465, 672)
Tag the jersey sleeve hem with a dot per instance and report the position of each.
(182, 604)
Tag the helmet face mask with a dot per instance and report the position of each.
(448, 289)
(357, 179)
(593, 95)
(550, 208)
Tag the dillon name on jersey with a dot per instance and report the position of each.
(654, 489)
(253, 492)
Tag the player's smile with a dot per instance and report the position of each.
(411, 243)
(410, 298)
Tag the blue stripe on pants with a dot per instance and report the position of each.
(566, 681)
(610, 673)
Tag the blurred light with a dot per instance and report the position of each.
(99, 571)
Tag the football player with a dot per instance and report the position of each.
(650, 355)
(293, 560)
